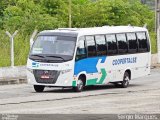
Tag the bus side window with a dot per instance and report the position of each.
(122, 43)
(91, 46)
(132, 42)
(142, 39)
(81, 49)
(101, 45)
(112, 44)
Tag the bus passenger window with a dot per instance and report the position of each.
(122, 43)
(132, 41)
(91, 47)
(142, 39)
(101, 45)
(81, 50)
(112, 44)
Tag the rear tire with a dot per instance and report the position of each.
(39, 88)
(126, 79)
(80, 85)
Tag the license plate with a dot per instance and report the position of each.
(45, 77)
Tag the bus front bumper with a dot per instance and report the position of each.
(63, 80)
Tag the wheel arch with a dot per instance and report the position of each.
(83, 77)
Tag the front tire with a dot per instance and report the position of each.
(39, 88)
(80, 85)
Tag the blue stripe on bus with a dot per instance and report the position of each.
(88, 65)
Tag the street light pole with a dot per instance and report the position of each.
(70, 14)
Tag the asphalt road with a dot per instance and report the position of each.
(141, 97)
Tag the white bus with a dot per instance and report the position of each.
(81, 57)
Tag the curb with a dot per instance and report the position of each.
(155, 66)
(11, 81)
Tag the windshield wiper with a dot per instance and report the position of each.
(56, 57)
(38, 56)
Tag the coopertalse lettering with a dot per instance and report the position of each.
(124, 61)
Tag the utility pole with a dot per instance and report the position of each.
(70, 13)
(157, 10)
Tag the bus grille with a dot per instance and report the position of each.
(52, 76)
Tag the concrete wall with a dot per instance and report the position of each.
(12, 75)
(154, 59)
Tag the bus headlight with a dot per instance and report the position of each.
(30, 70)
(65, 71)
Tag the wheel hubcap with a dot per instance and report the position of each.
(80, 84)
(126, 80)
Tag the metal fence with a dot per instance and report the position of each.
(4, 50)
(14, 48)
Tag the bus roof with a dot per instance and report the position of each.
(74, 32)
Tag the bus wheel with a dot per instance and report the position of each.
(80, 85)
(125, 82)
(38, 88)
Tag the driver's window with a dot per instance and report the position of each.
(81, 50)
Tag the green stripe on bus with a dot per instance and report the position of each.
(74, 84)
(92, 81)
(104, 74)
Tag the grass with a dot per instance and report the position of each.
(153, 42)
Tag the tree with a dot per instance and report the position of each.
(27, 15)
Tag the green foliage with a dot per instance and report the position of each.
(153, 42)
(4, 49)
(27, 15)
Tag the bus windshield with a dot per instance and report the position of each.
(55, 47)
